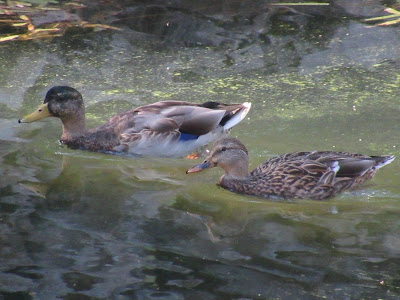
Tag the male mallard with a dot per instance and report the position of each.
(311, 175)
(166, 128)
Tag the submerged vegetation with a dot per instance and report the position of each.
(40, 19)
(392, 18)
(36, 20)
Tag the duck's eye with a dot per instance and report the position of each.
(40, 110)
(223, 149)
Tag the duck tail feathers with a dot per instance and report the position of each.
(236, 115)
(383, 161)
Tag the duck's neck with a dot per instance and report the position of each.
(73, 128)
(239, 169)
(235, 184)
(236, 175)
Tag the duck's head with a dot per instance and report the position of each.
(229, 154)
(63, 102)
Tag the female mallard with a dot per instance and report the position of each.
(311, 175)
(166, 128)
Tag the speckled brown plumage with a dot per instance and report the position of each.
(303, 175)
(166, 128)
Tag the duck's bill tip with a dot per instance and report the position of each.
(198, 168)
(26, 119)
(23, 120)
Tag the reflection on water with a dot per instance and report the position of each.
(113, 226)
(81, 225)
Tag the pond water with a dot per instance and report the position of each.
(82, 225)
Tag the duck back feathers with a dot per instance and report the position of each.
(320, 174)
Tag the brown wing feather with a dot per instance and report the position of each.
(308, 174)
(195, 120)
(171, 115)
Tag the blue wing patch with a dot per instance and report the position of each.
(188, 137)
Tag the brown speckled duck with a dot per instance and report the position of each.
(303, 175)
(165, 129)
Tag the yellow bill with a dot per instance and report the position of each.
(40, 113)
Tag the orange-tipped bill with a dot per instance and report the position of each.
(199, 168)
(40, 113)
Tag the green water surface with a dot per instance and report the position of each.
(82, 224)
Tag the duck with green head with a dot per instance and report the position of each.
(165, 128)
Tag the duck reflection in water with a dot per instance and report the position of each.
(87, 187)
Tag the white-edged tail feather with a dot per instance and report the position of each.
(238, 116)
(385, 162)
